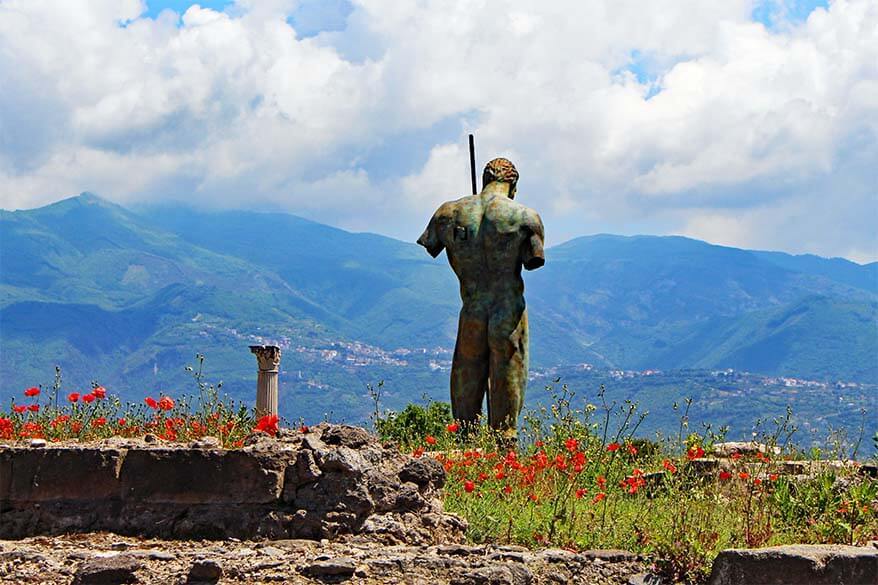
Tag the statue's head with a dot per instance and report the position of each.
(502, 170)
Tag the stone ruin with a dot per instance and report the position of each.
(324, 505)
(328, 482)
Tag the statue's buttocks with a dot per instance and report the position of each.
(488, 238)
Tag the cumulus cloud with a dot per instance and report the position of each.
(661, 116)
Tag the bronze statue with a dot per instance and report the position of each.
(488, 237)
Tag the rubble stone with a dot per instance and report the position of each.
(357, 559)
(107, 571)
(204, 571)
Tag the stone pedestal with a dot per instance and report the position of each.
(268, 357)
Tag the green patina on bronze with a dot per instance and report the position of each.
(488, 238)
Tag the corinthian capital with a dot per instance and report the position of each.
(268, 357)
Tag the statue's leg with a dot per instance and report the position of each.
(508, 341)
(469, 370)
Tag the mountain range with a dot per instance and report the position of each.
(129, 298)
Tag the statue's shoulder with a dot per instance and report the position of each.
(448, 208)
(520, 209)
(530, 217)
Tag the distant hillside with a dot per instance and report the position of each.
(673, 302)
(385, 291)
(129, 298)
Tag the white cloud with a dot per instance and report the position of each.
(750, 127)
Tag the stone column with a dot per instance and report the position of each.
(268, 357)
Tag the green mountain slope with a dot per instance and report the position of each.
(103, 292)
(386, 291)
(819, 335)
(635, 299)
(129, 298)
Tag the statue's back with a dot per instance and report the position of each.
(484, 240)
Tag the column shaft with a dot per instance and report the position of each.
(268, 358)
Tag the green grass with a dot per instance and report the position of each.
(581, 479)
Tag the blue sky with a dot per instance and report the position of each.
(772, 13)
(309, 17)
(154, 7)
(741, 122)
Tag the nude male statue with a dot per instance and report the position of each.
(488, 237)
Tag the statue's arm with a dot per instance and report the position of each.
(431, 238)
(533, 256)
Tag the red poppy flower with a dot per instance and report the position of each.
(99, 422)
(601, 481)
(580, 492)
(613, 447)
(772, 477)
(744, 475)
(19, 408)
(599, 497)
(453, 427)
(533, 497)
(32, 392)
(725, 475)
(31, 430)
(695, 453)
(167, 403)
(151, 402)
(507, 489)
(33, 407)
(469, 486)
(99, 392)
(6, 428)
(633, 483)
(88, 398)
(667, 464)
(560, 463)
(571, 444)
(431, 440)
(122, 422)
(59, 420)
(267, 424)
(303, 429)
(632, 450)
(73, 397)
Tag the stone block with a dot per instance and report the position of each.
(704, 465)
(41, 475)
(796, 564)
(5, 473)
(186, 476)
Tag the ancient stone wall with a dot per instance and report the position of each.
(330, 481)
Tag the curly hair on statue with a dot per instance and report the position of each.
(500, 169)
